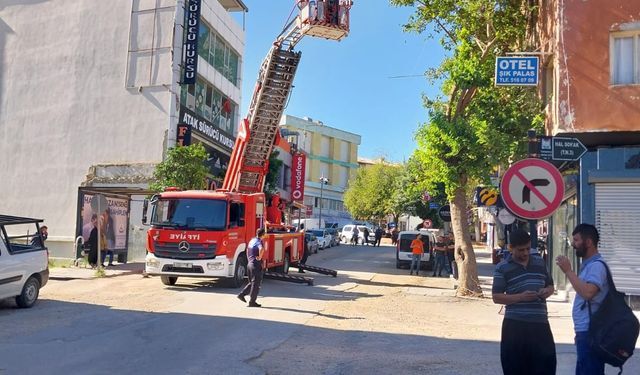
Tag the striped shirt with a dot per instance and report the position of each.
(513, 278)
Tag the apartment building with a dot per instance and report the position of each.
(590, 58)
(331, 159)
(93, 93)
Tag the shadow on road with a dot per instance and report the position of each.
(80, 338)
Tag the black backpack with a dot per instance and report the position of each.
(613, 329)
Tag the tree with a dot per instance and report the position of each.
(472, 126)
(369, 195)
(273, 174)
(183, 168)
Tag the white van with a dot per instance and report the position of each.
(403, 248)
(347, 233)
(24, 260)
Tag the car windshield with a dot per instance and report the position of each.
(318, 233)
(187, 213)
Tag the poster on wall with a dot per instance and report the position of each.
(113, 221)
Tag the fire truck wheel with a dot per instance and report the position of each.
(169, 280)
(240, 272)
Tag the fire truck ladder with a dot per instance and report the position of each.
(289, 278)
(250, 159)
(324, 271)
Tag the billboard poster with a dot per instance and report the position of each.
(298, 163)
(113, 221)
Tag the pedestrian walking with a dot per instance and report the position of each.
(394, 236)
(591, 287)
(365, 234)
(523, 284)
(378, 236)
(451, 257)
(417, 249)
(354, 235)
(305, 255)
(440, 253)
(255, 255)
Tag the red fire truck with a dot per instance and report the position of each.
(205, 233)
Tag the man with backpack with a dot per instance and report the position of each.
(591, 287)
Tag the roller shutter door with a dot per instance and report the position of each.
(618, 222)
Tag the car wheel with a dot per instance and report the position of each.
(30, 292)
(169, 280)
(398, 264)
(239, 272)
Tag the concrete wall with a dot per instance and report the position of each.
(577, 35)
(64, 105)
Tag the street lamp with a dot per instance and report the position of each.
(323, 181)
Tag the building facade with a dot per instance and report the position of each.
(331, 154)
(591, 87)
(91, 98)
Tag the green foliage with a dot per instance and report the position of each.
(474, 126)
(183, 167)
(271, 180)
(370, 192)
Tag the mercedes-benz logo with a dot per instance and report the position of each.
(183, 246)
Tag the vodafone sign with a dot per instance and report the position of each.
(298, 163)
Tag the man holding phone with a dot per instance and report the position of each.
(523, 284)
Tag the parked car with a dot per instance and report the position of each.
(24, 260)
(324, 238)
(347, 233)
(312, 242)
(403, 249)
(335, 236)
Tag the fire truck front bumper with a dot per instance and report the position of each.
(218, 267)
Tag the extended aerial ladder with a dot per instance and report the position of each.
(259, 131)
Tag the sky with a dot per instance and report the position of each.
(347, 84)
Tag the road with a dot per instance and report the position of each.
(371, 319)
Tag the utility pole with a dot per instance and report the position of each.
(323, 181)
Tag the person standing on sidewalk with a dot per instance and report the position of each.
(591, 286)
(255, 254)
(440, 250)
(417, 249)
(523, 284)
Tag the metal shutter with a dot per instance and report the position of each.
(618, 222)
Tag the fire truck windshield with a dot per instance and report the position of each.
(193, 214)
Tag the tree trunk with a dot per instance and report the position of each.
(468, 282)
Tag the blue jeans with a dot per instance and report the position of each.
(415, 261)
(439, 265)
(587, 363)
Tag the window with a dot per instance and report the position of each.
(625, 58)
(213, 49)
(344, 151)
(325, 146)
(236, 215)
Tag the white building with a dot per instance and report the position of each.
(90, 99)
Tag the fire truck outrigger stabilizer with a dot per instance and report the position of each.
(205, 233)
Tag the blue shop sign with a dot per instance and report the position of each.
(517, 71)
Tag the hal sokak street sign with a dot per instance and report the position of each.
(532, 188)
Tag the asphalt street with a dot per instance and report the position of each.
(371, 319)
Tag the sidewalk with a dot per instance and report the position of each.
(87, 273)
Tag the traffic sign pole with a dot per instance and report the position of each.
(533, 224)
